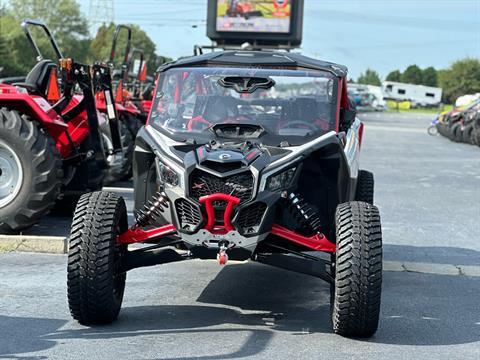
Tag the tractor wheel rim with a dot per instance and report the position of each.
(11, 174)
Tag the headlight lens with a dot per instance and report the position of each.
(167, 175)
(281, 180)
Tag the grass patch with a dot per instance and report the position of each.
(423, 111)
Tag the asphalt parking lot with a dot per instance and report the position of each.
(428, 192)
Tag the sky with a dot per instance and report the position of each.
(380, 34)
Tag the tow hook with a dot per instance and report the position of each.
(222, 256)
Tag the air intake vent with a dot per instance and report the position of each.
(188, 214)
(203, 183)
(250, 217)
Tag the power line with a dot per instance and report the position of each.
(100, 11)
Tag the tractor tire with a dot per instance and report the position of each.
(467, 134)
(88, 176)
(357, 270)
(476, 136)
(456, 132)
(365, 187)
(30, 172)
(124, 170)
(442, 129)
(95, 282)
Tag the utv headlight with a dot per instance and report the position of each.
(281, 181)
(167, 175)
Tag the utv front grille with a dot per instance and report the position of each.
(250, 217)
(239, 185)
(188, 214)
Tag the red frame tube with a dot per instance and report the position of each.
(317, 242)
(137, 235)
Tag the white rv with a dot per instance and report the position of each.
(419, 95)
(367, 97)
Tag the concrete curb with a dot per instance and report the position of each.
(29, 243)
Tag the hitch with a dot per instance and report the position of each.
(222, 256)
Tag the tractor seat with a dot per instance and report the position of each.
(37, 79)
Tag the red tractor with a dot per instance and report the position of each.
(127, 110)
(140, 86)
(50, 144)
(243, 8)
(129, 114)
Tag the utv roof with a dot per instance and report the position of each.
(258, 58)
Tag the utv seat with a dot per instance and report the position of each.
(37, 79)
(215, 108)
(305, 109)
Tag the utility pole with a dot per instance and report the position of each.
(100, 12)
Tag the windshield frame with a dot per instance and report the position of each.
(269, 139)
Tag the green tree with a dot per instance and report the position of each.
(62, 17)
(462, 77)
(16, 57)
(101, 45)
(412, 75)
(394, 75)
(429, 76)
(370, 77)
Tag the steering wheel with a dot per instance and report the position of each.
(197, 120)
(299, 124)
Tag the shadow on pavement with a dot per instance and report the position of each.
(23, 335)
(296, 303)
(429, 309)
(136, 321)
(417, 309)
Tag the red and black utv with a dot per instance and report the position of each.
(245, 155)
(50, 144)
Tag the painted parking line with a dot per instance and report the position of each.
(432, 268)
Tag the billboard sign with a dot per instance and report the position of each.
(267, 16)
(269, 22)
